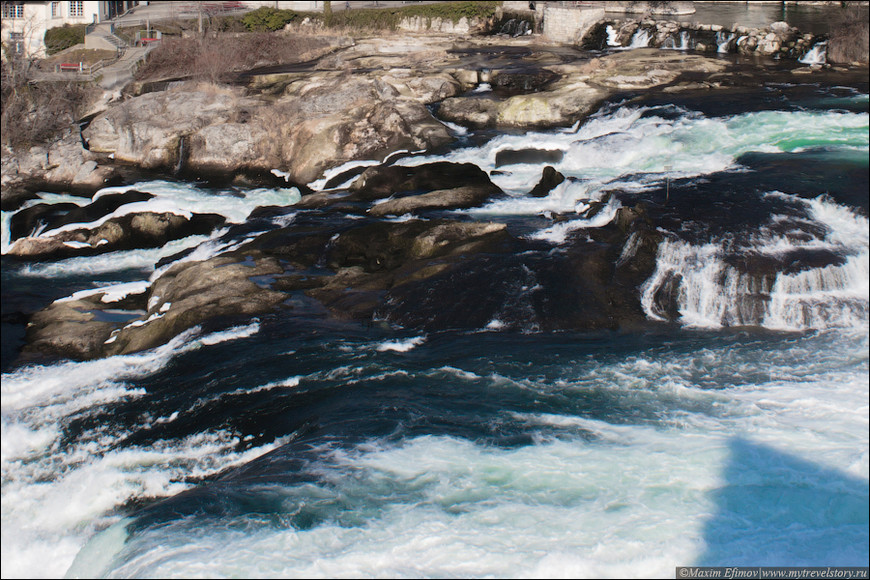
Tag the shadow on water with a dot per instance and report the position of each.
(775, 509)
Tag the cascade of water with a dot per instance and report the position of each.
(816, 55)
(516, 27)
(697, 283)
(671, 43)
(640, 39)
(612, 36)
(723, 41)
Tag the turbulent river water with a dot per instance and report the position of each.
(297, 445)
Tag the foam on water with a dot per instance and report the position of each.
(816, 55)
(318, 184)
(631, 147)
(599, 499)
(57, 494)
(235, 205)
(144, 260)
(400, 345)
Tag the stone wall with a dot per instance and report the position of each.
(442, 25)
(569, 24)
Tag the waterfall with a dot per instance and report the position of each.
(181, 153)
(612, 36)
(723, 42)
(697, 285)
(671, 44)
(640, 39)
(816, 55)
(516, 27)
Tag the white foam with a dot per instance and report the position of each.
(234, 205)
(455, 129)
(144, 260)
(816, 55)
(713, 294)
(112, 293)
(319, 184)
(400, 345)
(624, 149)
(55, 499)
(233, 333)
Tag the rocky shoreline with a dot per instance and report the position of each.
(379, 249)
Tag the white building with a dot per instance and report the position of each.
(25, 23)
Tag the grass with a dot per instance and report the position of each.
(75, 54)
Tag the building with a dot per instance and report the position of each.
(25, 23)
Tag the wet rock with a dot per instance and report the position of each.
(381, 181)
(127, 232)
(533, 156)
(472, 111)
(550, 178)
(50, 216)
(191, 293)
(457, 198)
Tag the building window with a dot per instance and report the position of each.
(76, 9)
(13, 10)
(55, 10)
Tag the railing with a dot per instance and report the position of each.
(80, 67)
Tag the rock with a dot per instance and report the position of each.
(127, 232)
(457, 198)
(69, 329)
(191, 293)
(52, 216)
(320, 121)
(475, 112)
(533, 156)
(382, 181)
(550, 178)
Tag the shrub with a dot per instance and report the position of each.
(34, 113)
(63, 37)
(265, 19)
(215, 58)
(850, 36)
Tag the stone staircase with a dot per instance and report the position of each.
(102, 36)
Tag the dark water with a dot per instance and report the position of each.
(298, 445)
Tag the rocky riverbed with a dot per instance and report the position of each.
(379, 240)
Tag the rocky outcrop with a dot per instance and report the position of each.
(382, 181)
(318, 121)
(126, 232)
(456, 198)
(64, 165)
(579, 91)
(777, 39)
(550, 178)
(47, 216)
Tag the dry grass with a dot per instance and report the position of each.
(34, 113)
(850, 36)
(216, 57)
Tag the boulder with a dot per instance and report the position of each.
(126, 232)
(191, 293)
(50, 216)
(533, 156)
(550, 178)
(384, 180)
(456, 198)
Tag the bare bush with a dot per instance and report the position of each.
(33, 112)
(850, 36)
(216, 57)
